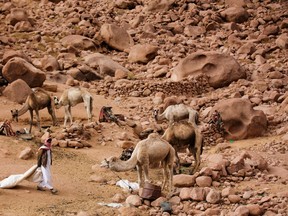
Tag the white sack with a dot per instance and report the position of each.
(14, 180)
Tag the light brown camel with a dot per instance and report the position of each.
(37, 100)
(182, 135)
(70, 98)
(151, 150)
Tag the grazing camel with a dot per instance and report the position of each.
(151, 150)
(70, 98)
(182, 135)
(177, 112)
(37, 100)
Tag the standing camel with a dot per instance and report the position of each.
(177, 112)
(37, 100)
(151, 150)
(70, 98)
(182, 135)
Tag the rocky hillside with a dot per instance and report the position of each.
(140, 48)
(229, 55)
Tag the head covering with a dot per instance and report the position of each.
(47, 144)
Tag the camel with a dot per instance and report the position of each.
(151, 150)
(182, 135)
(177, 112)
(70, 98)
(37, 100)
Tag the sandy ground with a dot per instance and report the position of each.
(72, 168)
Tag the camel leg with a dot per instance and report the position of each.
(165, 174)
(196, 154)
(178, 170)
(169, 169)
(38, 119)
(197, 150)
(170, 173)
(70, 115)
(31, 120)
(52, 114)
(88, 102)
(146, 173)
(140, 176)
(66, 115)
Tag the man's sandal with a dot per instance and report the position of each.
(40, 188)
(54, 191)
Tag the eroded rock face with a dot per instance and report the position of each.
(221, 69)
(240, 119)
(18, 68)
(116, 37)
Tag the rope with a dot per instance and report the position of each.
(130, 188)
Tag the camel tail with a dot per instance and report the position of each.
(91, 105)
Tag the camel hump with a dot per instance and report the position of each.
(182, 129)
(153, 135)
(39, 90)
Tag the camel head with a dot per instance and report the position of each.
(109, 163)
(56, 100)
(15, 115)
(155, 114)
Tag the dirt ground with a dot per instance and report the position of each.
(72, 168)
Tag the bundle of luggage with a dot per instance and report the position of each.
(126, 154)
(6, 128)
(106, 115)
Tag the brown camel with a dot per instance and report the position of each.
(182, 135)
(37, 100)
(151, 150)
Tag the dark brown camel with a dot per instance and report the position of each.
(182, 135)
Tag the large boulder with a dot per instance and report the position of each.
(142, 53)
(240, 119)
(221, 69)
(17, 15)
(235, 14)
(79, 42)
(158, 5)
(17, 91)
(23, 26)
(116, 37)
(9, 53)
(18, 68)
(50, 63)
(106, 65)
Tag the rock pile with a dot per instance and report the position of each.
(214, 191)
(75, 136)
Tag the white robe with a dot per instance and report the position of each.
(47, 181)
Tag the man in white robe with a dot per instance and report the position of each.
(45, 162)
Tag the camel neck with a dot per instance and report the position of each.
(23, 110)
(59, 105)
(122, 166)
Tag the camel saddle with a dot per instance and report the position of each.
(106, 115)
